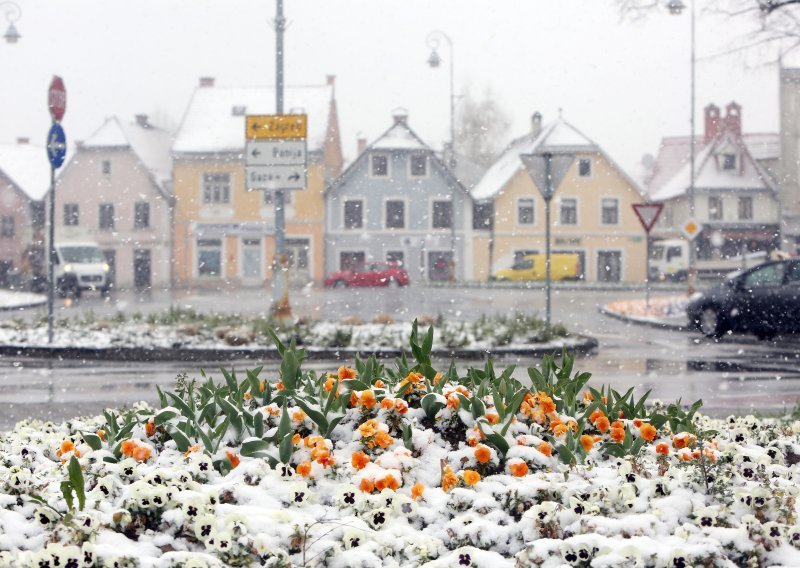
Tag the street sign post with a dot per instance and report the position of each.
(648, 215)
(691, 229)
(57, 99)
(547, 168)
(56, 152)
(276, 160)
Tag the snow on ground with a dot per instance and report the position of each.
(11, 300)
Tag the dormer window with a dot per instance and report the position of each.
(729, 162)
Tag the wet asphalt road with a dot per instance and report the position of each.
(738, 374)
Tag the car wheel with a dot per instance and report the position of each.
(709, 323)
(340, 284)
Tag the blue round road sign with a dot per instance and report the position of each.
(56, 145)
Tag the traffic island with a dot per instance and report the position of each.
(13, 300)
(667, 312)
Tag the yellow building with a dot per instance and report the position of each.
(591, 213)
(224, 235)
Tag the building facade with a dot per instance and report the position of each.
(24, 182)
(591, 213)
(116, 190)
(735, 196)
(224, 235)
(398, 202)
(789, 170)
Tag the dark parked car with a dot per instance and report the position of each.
(764, 300)
(370, 274)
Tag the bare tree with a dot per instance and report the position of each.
(772, 27)
(481, 127)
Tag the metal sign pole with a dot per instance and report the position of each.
(647, 274)
(51, 254)
(280, 275)
(548, 178)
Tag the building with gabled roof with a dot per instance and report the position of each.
(398, 202)
(224, 235)
(591, 213)
(736, 195)
(24, 183)
(116, 190)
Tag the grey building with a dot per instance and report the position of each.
(789, 178)
(398, 202)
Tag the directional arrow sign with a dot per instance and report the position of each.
(56, 145)
(276, 177)
(275, 153)
(272, 126)
(535, 165)
(648, 214)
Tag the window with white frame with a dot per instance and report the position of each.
(379, 165)
(525, 212)
(106, 217)
(395, 214)
(728, 161)
(141, 215)
(353, 214)
(106, 167)
(568, 213)
(216, 188)
(609, 211)
(71, 214)
(7, 227)
(209, 257)
(745, 208)
(584, 167)
(442, 214)
(715, 207)
(396, 256)
(418, 165)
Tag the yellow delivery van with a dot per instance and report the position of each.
(532, 267)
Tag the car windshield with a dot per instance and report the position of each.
(81, 254)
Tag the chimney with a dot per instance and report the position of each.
(733, 119)
(330, 80)
(361, 144)
(23, 140)
(400, 115)
(141, 120)
(206, 81)
(536, 124)
(713, 123)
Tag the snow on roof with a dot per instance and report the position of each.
(558, 134)
(210, 124)
(149, 143)
(27, 166)
(709, 175)
(674, 154)
(399, 137)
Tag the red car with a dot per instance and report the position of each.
(369, 274)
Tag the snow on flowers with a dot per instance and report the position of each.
(372, 465)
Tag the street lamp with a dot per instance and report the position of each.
(13, 13)
(433, 41)
(676, 7)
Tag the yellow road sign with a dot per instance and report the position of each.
(691, 229)
(272, 126)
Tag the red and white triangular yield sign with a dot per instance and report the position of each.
(648, 214)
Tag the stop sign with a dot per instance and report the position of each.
(57, 98)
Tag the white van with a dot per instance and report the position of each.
(80, 266)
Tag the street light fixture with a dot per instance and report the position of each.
(12, 13)
(434, 61)
(676, 7)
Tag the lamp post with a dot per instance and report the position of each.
(676, 7)
(433, 41)
(12, 12)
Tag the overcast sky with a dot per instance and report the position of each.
(623, 84)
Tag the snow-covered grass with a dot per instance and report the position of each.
(400, 466)
(178, 328)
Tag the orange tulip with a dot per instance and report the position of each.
(366, 485)
(150, 428)
(449, 479)
(560, 429)
(492, 417)
(518, 469)
(546, 449)
(648, 432)
(127, 447)
(359, 460)
(303, 469)
(602, 424)
(387, 403)
(367, 399)
(401, 406)
(368, 428)
(383, 439)
(471, 477)
(379, 384)
(346, 373)
(662, 449)
(587, 442)
(417, 490)
(482, 454)
(234, 459)
(142, 454)
(617, 434)
(547, 405)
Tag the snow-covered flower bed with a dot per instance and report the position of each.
(186, 329)
(400, 466)
(670, 309)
